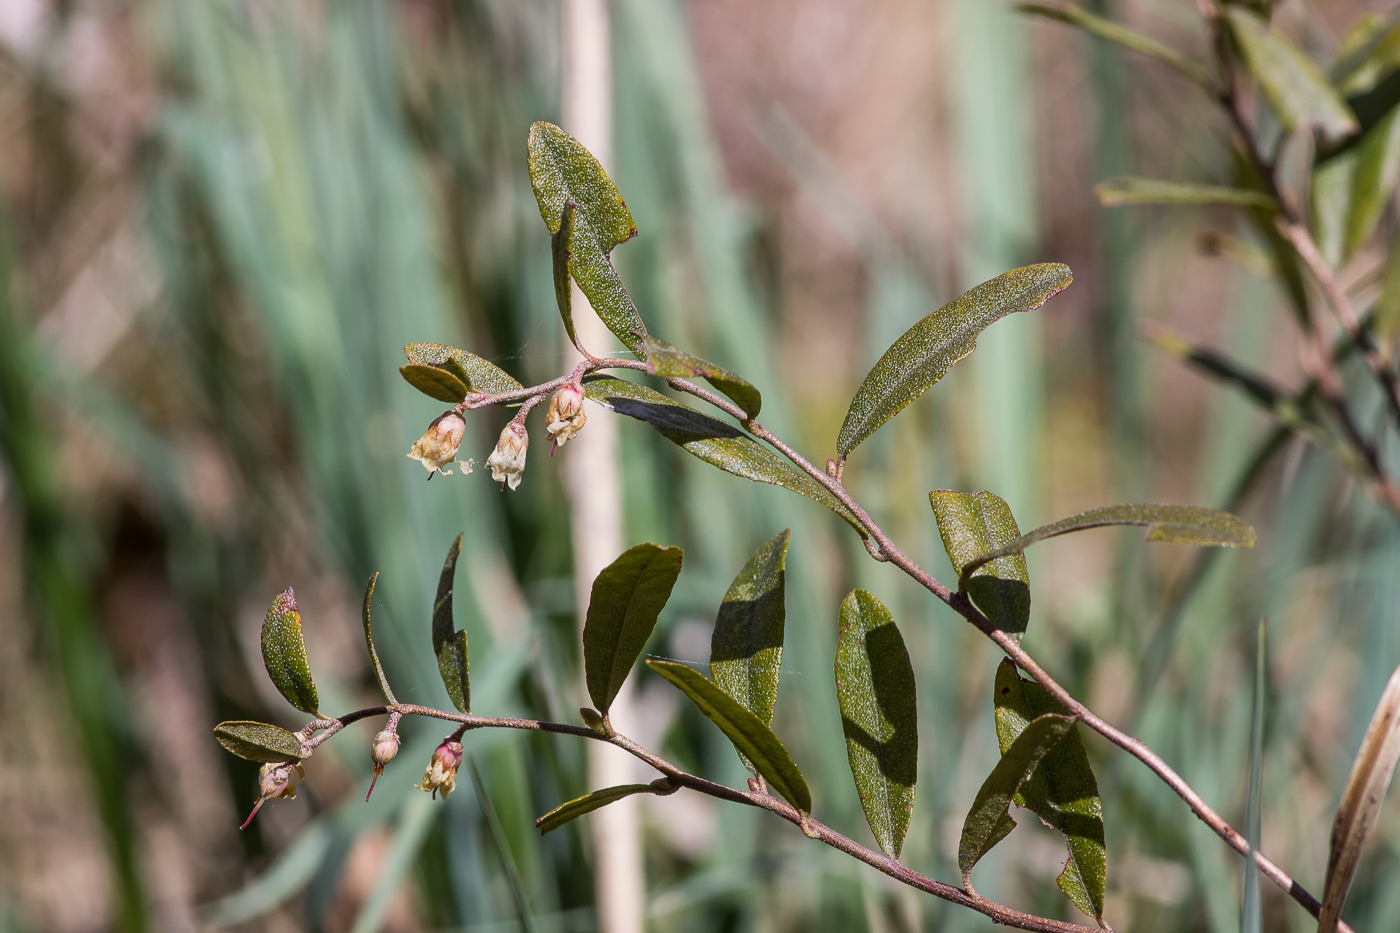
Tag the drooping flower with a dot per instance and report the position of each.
(441, 773)
(507, 461)
(566, 416)
(385, 747)
(438, 447)
(276, 779)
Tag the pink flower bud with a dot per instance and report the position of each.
(438, 447)
(507, 461)
(566, 416)
(441, 774)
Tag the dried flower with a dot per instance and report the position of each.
(276, 779)
(507, 461)
(385, 747)
(441, 774)
(566, 417)
(438, 447)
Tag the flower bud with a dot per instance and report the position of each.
(385, 747)
(507, 461)
(438, 447)
(276, 779)
(441, 774)
(566, 417)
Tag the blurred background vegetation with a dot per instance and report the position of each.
(223, 219)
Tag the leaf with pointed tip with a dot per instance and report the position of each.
(435, 383)
(1129, 190)
(711, 440)
(1175, 524)
(925, 352)
(1329, 200)
(746, 649)
(1370, 776)
(665, 360)
(284, 653)
(449, 644)
(1373, 185)
(1061, 791)
(561, 171)
(561, 245)
(626, 600)
(975, 524)
(258, 741)
(989, 820)
(573, 809)
(879, 716)
(751, 738)
(1113, 32)
(369, 643)
(482, 376)
(1295, 87)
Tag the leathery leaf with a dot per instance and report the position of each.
(573, 809)
(449, 644)
(746, 649)
(972, 525)
(284, 653)
(258, 741)
(369, 643)
(481, 375)
(665, 360)
(626, 600)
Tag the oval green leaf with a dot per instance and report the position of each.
(449, 644)
(1175, 524)
(284, 653)
(1129, 190)
(563, 171)
(879, 716)
(626, 600)
(568, 812)
(925, 353)
(665, 360)
(482, 376)
(990, 820)
(369, 643)
(976, 524)
(711, 440)
(435, 383)
(258, 741)
(1062, 790)
(746, 649)
(751, 738)
(1295, 87)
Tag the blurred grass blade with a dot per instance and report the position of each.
(989, 819)
(1175, 524)
(573, 809)
(1373, 185)
(435, 382)
(369, 643)
(879, 716)
(1130, 190)
(978, 524)
(258, 741)
(289, 872)
(498, 836)
(483, 376)
(1361, 802)
(1388, 304)
(1251, 918)
(415, 821)
(1295, 87)
(750, 736)
(449, 643)
(711, 440)
(665, 360)
(625, 602)
(924, 353)
(1113, 32)
(746, 649)
(284, 653)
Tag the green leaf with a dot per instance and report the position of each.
(284, 653)
(435, 383)
(746, 649)
(1061, 791)
(665, 360)
(971, 525)
(1388, 304)
(449, 644)
(1369, 53)
(1130, 190)
(879, 716)
(1113, 32)
(482, 376)
(560, 248)
(627, 597)
(1291, 81)
(925, 353)
(369, 643)
(751, 738)
(711, 440)
(1175, 524)
(1373, 184)
(1329, 200)
(990, 820)
(568, 812)
(257, 741)
(562, 171)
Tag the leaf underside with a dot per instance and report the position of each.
(483, 376)
(435, 382)
(971, 525)
(284, 653)
(449, 644)
(258, 741)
